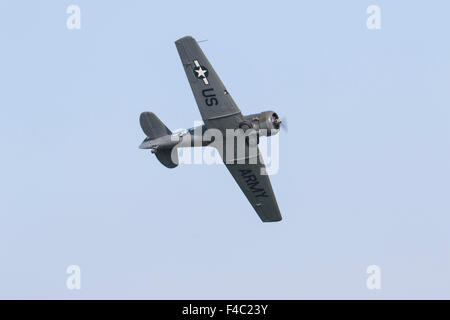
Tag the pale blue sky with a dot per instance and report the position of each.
(364, 171)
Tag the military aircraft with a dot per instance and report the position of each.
(219, 112)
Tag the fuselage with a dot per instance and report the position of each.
(264, 124)
(192, 137)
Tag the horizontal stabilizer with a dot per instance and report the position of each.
(154, 129)
(152, 126)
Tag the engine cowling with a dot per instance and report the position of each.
(265, 123)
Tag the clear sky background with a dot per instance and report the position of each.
(364, 170)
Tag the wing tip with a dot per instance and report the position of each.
(273, 219)
(185, 38)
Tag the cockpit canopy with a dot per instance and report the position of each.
(179, 133)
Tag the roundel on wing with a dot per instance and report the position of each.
(201, 72)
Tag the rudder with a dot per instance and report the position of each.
(165, 157)
(154, 128)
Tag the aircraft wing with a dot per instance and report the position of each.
(216, 105)
(219, 111)
(257, 188)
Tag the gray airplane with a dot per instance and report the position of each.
(220, 112)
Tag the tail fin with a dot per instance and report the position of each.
(166, 158)
(155, 128)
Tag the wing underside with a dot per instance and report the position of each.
(219, 111)
(216, 105)
(256, 187)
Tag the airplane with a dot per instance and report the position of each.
(219, 112)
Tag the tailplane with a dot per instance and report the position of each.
(152, 126)
(153, 129)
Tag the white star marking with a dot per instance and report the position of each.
(201, 72)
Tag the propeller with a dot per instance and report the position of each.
(284, 124)
(279, 123)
